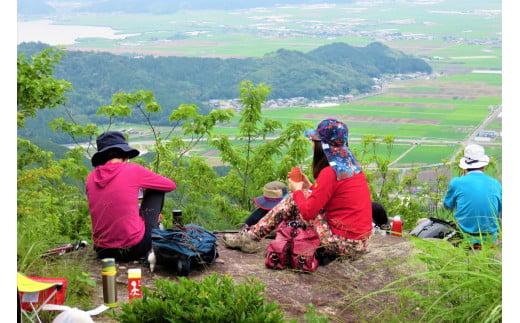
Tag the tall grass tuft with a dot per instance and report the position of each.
(459, 284)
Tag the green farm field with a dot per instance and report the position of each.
(430, 119)
(434, 126)
(429, 127)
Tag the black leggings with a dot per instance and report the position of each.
(150, 209)
(255, 216)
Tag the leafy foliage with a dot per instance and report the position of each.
(312, 317)
(51, 208)
(36, 87)
(214, 299)
(254, 159)
(48, 204)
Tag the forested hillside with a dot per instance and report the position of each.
(326, 71)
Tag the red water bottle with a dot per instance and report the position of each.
(296, 174)
(397, 226)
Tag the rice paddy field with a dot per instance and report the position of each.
(429, 126)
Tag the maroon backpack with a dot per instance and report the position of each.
(294, 247)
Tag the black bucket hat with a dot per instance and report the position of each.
(109, 140)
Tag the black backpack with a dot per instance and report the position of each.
(435, 228)
(184, 249)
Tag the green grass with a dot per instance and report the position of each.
(457, 50)
(428, 154)
(397, 150)
(496, 126)
(489, 79)
(445, 284)
(424, 89)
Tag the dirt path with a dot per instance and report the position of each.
(331, 288)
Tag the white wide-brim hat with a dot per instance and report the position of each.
(474, 157)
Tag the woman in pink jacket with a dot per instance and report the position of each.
(121, 228)
(338, 205)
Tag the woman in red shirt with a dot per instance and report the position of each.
(338, 205)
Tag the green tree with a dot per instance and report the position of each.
(51, 208)
(49, 194)
(262, 151)
(169, 149)
(36, 87)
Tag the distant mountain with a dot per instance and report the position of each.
(44, 7)
(329, 70)
(373, 60)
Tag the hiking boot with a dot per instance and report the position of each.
(241, 241)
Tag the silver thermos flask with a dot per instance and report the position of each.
(108, 271)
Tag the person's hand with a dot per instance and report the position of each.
(294, 186)
(306, 182)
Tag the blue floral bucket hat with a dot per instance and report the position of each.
(333, 135)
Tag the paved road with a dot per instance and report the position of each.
(471, 138)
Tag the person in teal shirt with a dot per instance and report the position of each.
(475, 197)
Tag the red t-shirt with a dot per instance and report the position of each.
(112, 192)
(347, 204)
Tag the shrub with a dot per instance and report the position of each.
(215, 299)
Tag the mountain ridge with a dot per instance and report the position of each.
(329, 70)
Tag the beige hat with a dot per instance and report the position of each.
(274, 192)
(474, 157)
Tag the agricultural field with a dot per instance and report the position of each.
(443, 29)
(430, 119)
(429, 127)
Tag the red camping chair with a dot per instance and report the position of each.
(36, 292)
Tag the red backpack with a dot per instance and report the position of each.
(294, 247)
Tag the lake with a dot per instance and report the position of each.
(44, 31)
